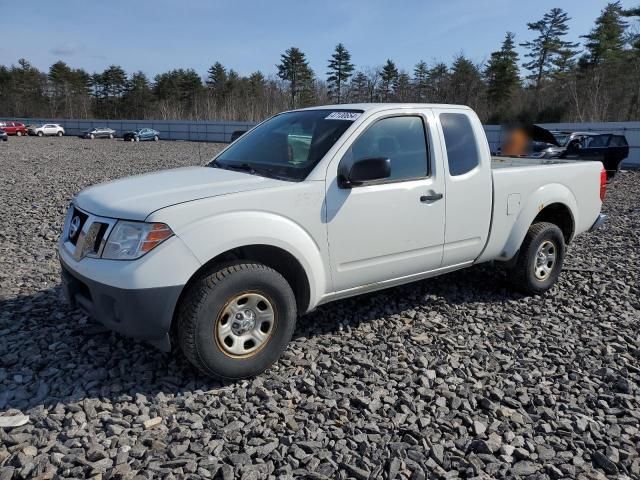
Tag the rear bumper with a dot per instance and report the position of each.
(599, 222)
(144, 313)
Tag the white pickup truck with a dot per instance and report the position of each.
(308, 207)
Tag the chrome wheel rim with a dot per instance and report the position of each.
(245, 325)
(545, 260)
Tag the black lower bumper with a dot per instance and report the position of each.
(144, 314)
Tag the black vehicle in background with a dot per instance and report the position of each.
(608, 148)
(98, 132)
(3, 135)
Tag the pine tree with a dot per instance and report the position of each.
(359, 91)
(607, 39)
(548, 49)
(217, 81)
(388, 77)
(340, 70)
(139, 96)
(294, 68)
(421, 81)
(465, 82)
(402, 87)
(502, 72)
(437, 80)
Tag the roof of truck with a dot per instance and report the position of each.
(383, 106)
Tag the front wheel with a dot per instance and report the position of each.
(236, 321)
(155, 138)
(40, 134)
(19, 134)
(540, 259)
(92, 136)
(137, 139)
(111, 136)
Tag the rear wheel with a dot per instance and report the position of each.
(111, 136)
(59, 134)
(155, 138)
(236, 321)
(92, 136)
(137, 139)
(540, 259)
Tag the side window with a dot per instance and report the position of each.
(460, 141)
(400, 139)
(618, 141)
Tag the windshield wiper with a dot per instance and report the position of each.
(250, 169)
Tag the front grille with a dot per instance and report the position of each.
(85, 234)
(80, 218)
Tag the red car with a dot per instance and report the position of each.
(14, 128)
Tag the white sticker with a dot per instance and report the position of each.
(351, 116)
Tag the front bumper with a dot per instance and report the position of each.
(142, 313)
(599, 222)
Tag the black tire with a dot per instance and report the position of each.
(92, 136)
(19, 134)
(59, 134)
(40, 134)
(202, 308)
(111, 136)
(155, 138)
(523, 275)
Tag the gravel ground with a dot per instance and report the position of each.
(451, 377)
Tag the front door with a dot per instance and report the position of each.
(393, 228)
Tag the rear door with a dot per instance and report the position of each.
(469, 185)
(390, 229)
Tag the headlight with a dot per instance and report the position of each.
(131, 240)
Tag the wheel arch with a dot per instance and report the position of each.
(560, 215)
(274, 257)
(553, 203)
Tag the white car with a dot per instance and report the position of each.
(308, 207)
(47, 129)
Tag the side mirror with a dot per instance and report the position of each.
(363, 171)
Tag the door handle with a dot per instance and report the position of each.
(431, 198)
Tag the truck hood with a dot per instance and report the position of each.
(134, 198)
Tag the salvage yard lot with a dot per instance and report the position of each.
(454, 374)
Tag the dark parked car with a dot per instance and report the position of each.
(610, 149)
(3, 135)
(13, 128)
(237, 134)
(98, 132)
(142, 134)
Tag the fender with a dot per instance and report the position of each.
(212, 236)
(537, 201)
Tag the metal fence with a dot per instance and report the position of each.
(201, 131)
(211, 131)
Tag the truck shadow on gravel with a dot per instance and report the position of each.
(53, 354)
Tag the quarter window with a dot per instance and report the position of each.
(460, 141)
(400, 139)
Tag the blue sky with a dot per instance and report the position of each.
(249, 35)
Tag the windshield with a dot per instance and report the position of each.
(561, 138)
(289, 145)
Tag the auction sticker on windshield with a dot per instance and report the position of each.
(351, 116)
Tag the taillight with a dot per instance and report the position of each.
(603, 184)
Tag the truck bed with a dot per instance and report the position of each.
(518, 180)
(508, 162)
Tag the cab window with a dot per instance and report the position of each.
(400, 139)
(460, 142)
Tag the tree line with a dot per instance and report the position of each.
(557, 80)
